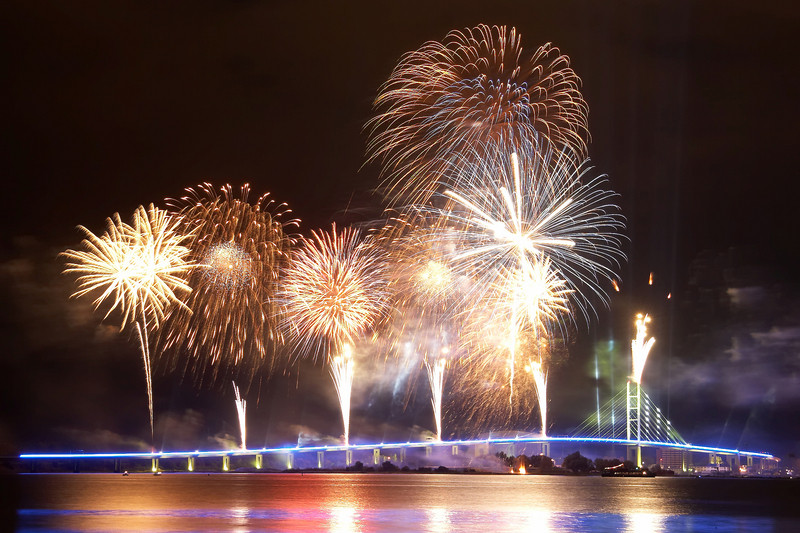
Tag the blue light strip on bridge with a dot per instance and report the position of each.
(424, 444)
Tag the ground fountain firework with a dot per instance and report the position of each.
(540, 383)
(241, 412)
(436, 380)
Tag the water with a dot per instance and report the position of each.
(399, 502)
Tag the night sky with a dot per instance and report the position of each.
(109, 105)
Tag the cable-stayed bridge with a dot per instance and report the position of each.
(629, 419)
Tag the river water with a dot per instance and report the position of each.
(398, 502)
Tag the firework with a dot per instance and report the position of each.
(640, 348)
(332, 292)
(530, 300)
(436, 380)
(513, 219)
(475, 87)
(138, 270)
(333, 289)
(238, 246)
(531, 242)
(540, 385)
(480, 393)
(342, 369)
(241, 410)
(426, 303)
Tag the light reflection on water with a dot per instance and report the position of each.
(392, 502)
(439, 520)
(344, 520)
(639, 522)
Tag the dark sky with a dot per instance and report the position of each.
(108, 105)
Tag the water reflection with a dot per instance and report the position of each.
(539, 520)
(437, 503)
(645, 522)
(241, 517)
(344, 520)
(438, 520)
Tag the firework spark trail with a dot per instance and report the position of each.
(477, 86)
(144, 347)
(436, 380)
(241, 410)
(138, 270)
(333, 291)
(239, 244)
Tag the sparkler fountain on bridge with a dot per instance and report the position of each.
(436, 379)
(640, 349)
(241, 409)
(540, 383)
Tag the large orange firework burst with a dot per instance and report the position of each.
(333, 290)
(475, 87)
(232, 329)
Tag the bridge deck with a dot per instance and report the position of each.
(395, 445)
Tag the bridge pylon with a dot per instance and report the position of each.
(633, 419)
(643, 420)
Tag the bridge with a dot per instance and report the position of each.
(629, 419)
(286, 458)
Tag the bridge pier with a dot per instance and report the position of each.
(481, 448)
(376, 456)
(154, 465)
(226, 463)
(634, 453)
(289, 461)
(455, 449)
(348, 457)
(117, 465)
(190, 463)
(546, 449)
(402, 455)
(259, 461)
(428, 451)
(320, 459)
